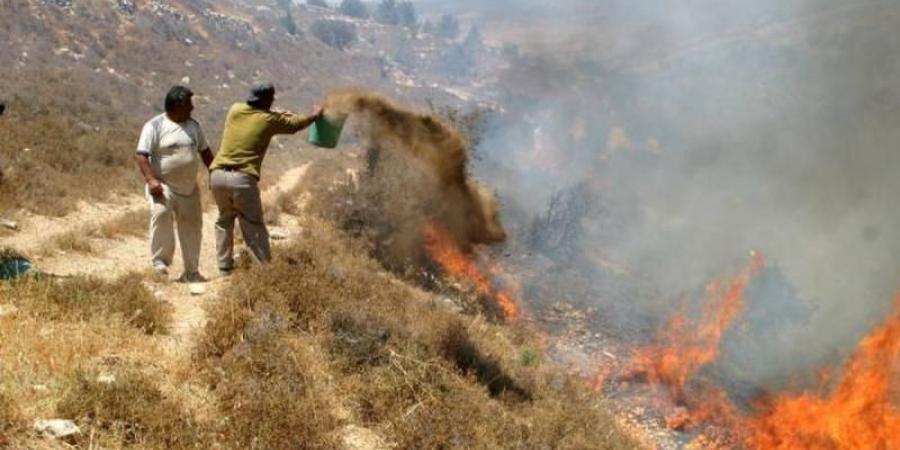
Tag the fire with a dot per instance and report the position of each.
(860, 411)
(457, 264)
(682, 348)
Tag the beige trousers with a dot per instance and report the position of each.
(187, 213)
(237, 196)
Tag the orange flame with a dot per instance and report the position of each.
(442, 248)
(683, 347)
(859, 413)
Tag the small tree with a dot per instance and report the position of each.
(406, 15)
(354, 8)
(448, 27)
(427, 27)
(334, 33)
(457, 61)
(319, 3)
(287, 21)
(386, 12)
(473, 39)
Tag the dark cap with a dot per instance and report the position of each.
(261, 91)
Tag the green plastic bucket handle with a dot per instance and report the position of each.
(326, 132)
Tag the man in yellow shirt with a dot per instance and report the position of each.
(249, 128)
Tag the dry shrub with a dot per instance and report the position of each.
(359, 340)
(273, 393)
(85, 298)
(77, 241)
(224, 328)
(566, 415)
(129, 407)
(130, 223)
(458, 348)
(322, 323)
(9, 418)
(74, 143)
(426, 404)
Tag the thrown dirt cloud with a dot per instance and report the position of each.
(417, 172)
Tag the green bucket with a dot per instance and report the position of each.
(326, 132)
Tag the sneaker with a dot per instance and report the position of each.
(160, 268)
(193, 277)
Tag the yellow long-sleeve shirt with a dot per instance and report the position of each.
(247, 134)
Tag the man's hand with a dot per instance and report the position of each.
(155, 187)
(317, 111)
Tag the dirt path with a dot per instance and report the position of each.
(111, 257)
(114, 257)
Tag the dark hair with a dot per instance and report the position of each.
(176, 96)
(262, 103)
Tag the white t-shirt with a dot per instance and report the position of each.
(174, 151)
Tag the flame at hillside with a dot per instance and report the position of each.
(684, 347)
(459, 265)
(860, 412)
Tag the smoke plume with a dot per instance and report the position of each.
(698, 131)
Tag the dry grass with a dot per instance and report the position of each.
(273, 393)
(62, 145)
(131, 223)
(9, 419)
(81, 239)
(127, 408)
(124, 301)
(324, 323)
(75, 241)
(58, 335)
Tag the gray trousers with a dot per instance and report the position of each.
(187, 213)
(237, 196)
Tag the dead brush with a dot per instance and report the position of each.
(127, 408)
(9, 418)
(84, 299)
(76, 241)
(273, 393)
(323, 324)
(358, 340)
(130, 223)
(426, 404)
(458, 347)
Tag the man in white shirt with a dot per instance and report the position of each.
(169, 153)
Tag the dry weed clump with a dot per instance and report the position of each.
(130, 223)
(75, 241)
(85, 299)
(273, 393)
(324, 324)
(127, 408)
(9, 418)
(61, 145)
(458, 347)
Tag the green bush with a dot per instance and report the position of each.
(354, 8)
(334, 33)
